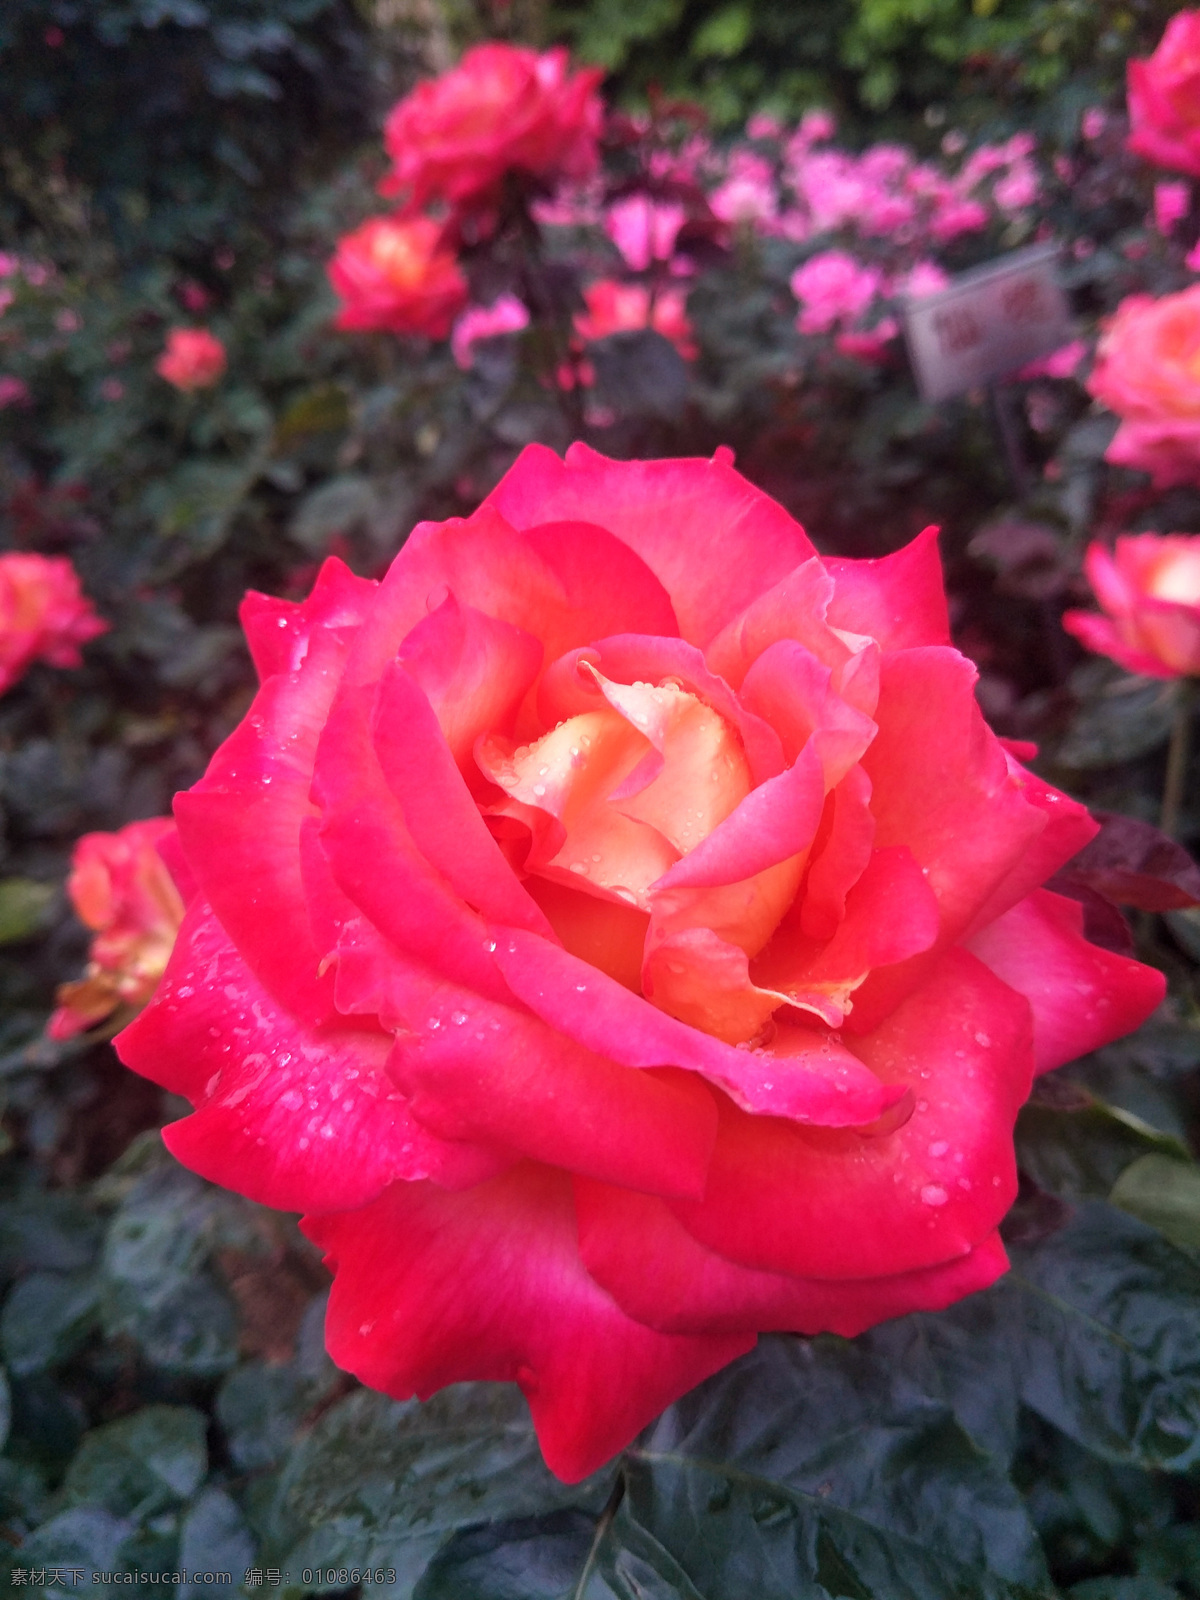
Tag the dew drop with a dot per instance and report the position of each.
(291, 1099)
(934, 1195)
(982, 1038)
(938, 1147)
(458, 1018)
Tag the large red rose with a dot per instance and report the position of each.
(620, 932)
(501, 109)
(1164, 98)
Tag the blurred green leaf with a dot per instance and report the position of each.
(142, 1464)
(1164, 1192)
(214, 1538)
(46, 1317)
(23, 907)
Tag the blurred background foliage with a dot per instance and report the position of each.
(165, 1400)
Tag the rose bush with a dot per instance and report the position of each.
(121, 889)
(1150, 589)
(1148, 371)
(1164, 98)
(500, 109)
(620, 933)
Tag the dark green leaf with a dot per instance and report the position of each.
(384, 1484)
(815, 1461)
(23, 907)
(1107, 1317)
(532, 1558)
(85, 1537)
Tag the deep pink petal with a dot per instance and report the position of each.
(890, 915)
(291, 1117)
(941, 783)
(1082, 996)
(474, 671)
(564, 583)
(793, 608)
(278, 631)
(789, 688)
(822, 1083)
(240, 827)
(826, 1203)
(839, 858)
(472, 1069)
(899, 600)
(376, 862)
(419, 768)
(712, 539)
(432, 1289)
(1069, 826)
(635, 1247)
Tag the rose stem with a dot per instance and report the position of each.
(1177, 757)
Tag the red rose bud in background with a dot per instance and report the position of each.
(1150, 590)
(119, 887)
(614, 307)
(501, 109)
(396, 276)
(193, 359)
(1148, 371)
(1164, 98)
(620, 933)
(44, 615)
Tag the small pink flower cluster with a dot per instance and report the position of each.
(812, 188)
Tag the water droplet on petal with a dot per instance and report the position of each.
(934, 1195)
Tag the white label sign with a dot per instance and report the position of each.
(989, 322)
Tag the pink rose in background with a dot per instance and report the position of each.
(1164, 98)
(396, 275)
(833, 287)
(505, 315)
(502, 109)
(13, 391)
(193, 359)
(620, 933)
(44, 614)
(869, 344)
(614, 307)
(1148, 371)
(121, 889)
(644, 230)
(1172, 202)
(1150, 591)
(748, 193)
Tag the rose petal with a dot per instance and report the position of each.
(900, 601)
(240, 828)
(1082, 996)
(289, 1116)
(419, 768)
(278, 631)
(375, 861)
(789, 688)
(474, 671)
(792, 1199)
(823, 1084)
(839, 856)
(432, 1289)
(712, 539)
(473, 1070)
(659, 1274)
